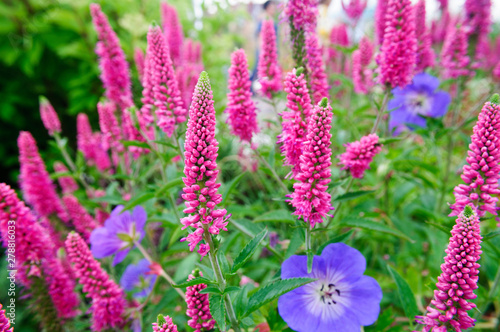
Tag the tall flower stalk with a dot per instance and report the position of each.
(201, 173)
(269, 71)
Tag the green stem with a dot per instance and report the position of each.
(308, 239)
(162, 271)
(220, 280)
(276, 176)
(64, 153)
(349, 185)
(381, 111)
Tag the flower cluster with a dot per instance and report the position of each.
(362, 76)
(173, 32)
(359, 154)
(164, 324)
(425, 53)
(454, 59)
(398, 51)
(66, 182)
(92, 145)
(82, 220)
(458, 280)
(38, 189)
(4, 322)
(269, 71)
(114, 67)
(49, 117)
(108, 302)
(354, 9)
(481, 173)
(200, 169)
(198, 306)
(240, 106)
(310, 198)
(295, 120)
(315, 68)
(302, 14)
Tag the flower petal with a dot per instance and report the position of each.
(120, 256)
(440, 104)
(425, 82)
(103, 244)
(295, 267)
(343, 262)
(139, 216)
(366, 295)
(293, 309)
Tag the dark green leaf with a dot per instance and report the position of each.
(218, 310)
(353, 194)
(136, 143)
(490, 236)
(374, 226)
(295, 242)
(223, 262)
(406, 295)
(248, 250)
(231, 289)
(210, 290)
(195, 281)
(273, 291)
(241, 302)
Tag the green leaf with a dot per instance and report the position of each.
(295, 242)
(439, 226)
(241, 302)
(248, 250)
(231, 289)
(490, 235)
(223, 262)
(141, 199)
(210, 290)
(406, 295)
(310, 257)
(195, 281)
(231, 187)
(218, 310)
(353, 194)
(336, 239)
(276, 216)
(374, 226)
(273, 291)
(168, 185)
(136, 143)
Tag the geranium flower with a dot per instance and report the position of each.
(120, 233)
(342, 299)
(138, 276)
(418, 99)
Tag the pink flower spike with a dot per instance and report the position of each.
(115, 73)
(316, 68)
(49, 117)
(302, 13)
(67, 183)
(293, 134)
(82, 220)
(200, 169)
(173, 32)
(311, 198)
(198, 307)
(85, 138)
(164, 324)
(354, 9)
(362, 75)
(359, 154)
(36, 184)
(269, 71)
(4, 322)
(108, 301)
(481, 173)
(240, 106)
(102, 160)
(454, 59)
(139, 62)
(425, 53)
(380, 22)
(457, 282)
(478, 17)
(397, 56)
(169, 106)
(111, 134)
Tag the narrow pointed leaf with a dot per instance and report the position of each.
(248, 250)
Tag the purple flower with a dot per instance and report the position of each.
(137, 277)
(120, 233)
(342, 299)
(416, 100)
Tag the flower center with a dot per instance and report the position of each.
(418, 103)
(328, 292)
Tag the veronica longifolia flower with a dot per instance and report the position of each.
(398, 51)
(359, 155)
(49, 117)
(138, 277)
(198, 306)
(164, 324)
(201, 171)
(342, 299)
(420, 98)
(269, 71)
(454, 59)
(120, 233)
(481, 173)
(457, 282)
(4, 322)
(310, 198)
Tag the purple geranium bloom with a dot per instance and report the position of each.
(342, 299)
(120, 232)
(417, 99)
(138, 277)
